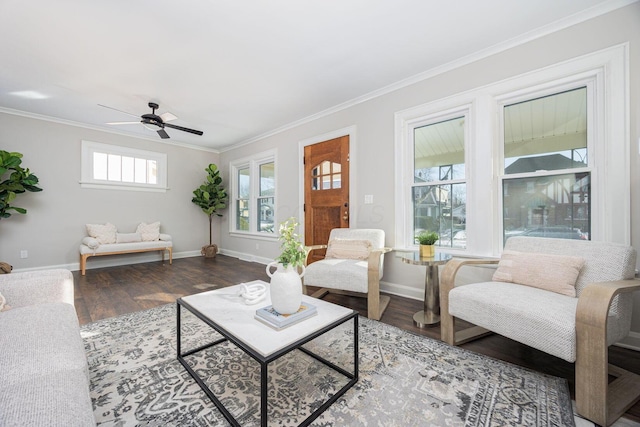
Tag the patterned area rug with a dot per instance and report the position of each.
(405, 380)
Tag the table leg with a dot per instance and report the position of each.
(431, 313)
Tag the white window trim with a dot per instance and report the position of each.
(87, 180)
(611, 204)
(410, 122)
(253, 163)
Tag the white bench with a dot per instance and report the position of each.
(91, 247)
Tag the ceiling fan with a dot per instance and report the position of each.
(155, 122)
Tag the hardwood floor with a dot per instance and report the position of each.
(109, 292)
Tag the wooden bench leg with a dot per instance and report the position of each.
(83, 263)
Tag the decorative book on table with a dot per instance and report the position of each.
(272, 318)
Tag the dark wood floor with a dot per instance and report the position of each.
(109, 292)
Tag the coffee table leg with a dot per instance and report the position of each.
(431, 313)
(263, 394)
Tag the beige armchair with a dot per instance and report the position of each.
(353, 266)
(577, 328)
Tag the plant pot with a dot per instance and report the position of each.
(285, 288)
(427, 251)
(209, 251)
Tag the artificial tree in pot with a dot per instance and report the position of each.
(211, 197)
(14, 180)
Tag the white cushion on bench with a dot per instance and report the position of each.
(126, 247)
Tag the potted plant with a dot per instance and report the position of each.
(211, 197)
(19, 180)
(286, 283)
(427, 239)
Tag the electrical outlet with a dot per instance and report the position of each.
(24, 254)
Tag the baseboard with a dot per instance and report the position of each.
(115, 261)
(246, 257)
(632, 341)
(401, 290)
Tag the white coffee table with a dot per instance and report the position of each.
(224, 311)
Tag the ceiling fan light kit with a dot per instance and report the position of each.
(156, 123)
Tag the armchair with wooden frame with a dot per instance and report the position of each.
(353, 266)
(576, 328)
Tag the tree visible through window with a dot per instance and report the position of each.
(439, 187)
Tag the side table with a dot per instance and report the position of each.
(431, 313)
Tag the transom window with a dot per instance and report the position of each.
(111, 166)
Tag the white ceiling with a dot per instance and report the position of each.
(238, 70)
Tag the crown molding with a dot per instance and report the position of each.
(556, 26)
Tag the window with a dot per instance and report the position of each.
(253, 187)
(116, 167)
(439, 189)
(541, 154)
(546, 178)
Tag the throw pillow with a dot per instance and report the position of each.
(149, 232)
(555, 273)
(128, 237)
(348, 249)
(3, 304)
(103, 233)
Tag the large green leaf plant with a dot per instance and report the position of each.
(14, 180)
(211, 196)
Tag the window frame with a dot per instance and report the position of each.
(464, 112)
(607, 73)
(88, 148)
(252, 163)
(592, 125)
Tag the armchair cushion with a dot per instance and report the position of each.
(555, 273)
(348, 249)
(349, 274)
(540, 319)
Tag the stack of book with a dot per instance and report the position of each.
(279, 321)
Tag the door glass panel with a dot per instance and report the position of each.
(328, 175)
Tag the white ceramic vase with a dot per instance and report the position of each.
(285, 288)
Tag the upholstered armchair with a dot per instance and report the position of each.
(568, 298)
(353, 265)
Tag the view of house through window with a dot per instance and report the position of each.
(266, 198)
(439, 191)
(254, 194)
(242, 199)
(544, 140)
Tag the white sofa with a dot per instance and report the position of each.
(44, 380)
(104, 239)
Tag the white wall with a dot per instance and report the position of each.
(373, 157)
(55, 222)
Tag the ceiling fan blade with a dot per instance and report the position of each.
(123, 123)
(111, 108)
(167, 117)
(197, 132)
(163, 134)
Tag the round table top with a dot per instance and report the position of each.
(438, 258)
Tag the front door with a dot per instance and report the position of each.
(326, 191)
